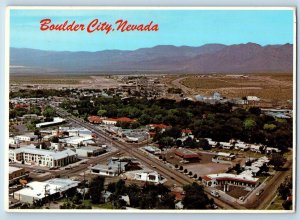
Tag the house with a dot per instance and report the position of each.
(39, 157)
(186, 132)
(270, 150)
(161, 127)
(257, 148)
(255, 166)
(241, 146)
(212, 143)
(226, 145)
(224, 158)
(179, 205)
(90, 151)
(35, 191)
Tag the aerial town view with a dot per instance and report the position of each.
(180, 119)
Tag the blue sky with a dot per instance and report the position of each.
(176, 27)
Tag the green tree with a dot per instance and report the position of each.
(101, 112)
(249, 124)
(277, 160)
(269, 127)
(195, 198)
(49, 112)
(95, 188)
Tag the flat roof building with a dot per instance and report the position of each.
(56, 121)
(213, 180)
(34, 156)
(41, 190)
(90, 151)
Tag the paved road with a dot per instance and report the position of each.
(171, 174)
(270, 189)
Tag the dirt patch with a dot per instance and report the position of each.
(265, 86)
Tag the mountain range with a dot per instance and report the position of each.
(209, 58)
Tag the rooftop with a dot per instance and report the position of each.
(37, 189)
(56, 155)
(229, 176)
(14, 169)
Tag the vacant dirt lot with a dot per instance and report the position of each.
(55, 82)
(203, 167)
(265, 86)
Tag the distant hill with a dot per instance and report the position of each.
(209, 58)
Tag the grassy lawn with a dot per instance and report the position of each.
(276, 204)
(100, 206)
(105, 206)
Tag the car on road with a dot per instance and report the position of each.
(259, 192)
(215, 193)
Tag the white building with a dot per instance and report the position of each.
(256, 148)
(252, 98)
(105, 170)
(243, 180)
(77, 141)
(40, 190)
(241, 146)
(109, 121)
(29, 137)
(152, 177)
(226, 145)
(31, 155)
(56, 121)
(136, 135)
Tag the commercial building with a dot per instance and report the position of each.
(113, 121)
(41, 190)
(224, 179)
(77, 141)
(105, 170)
(135, 135)
(114, 167)
(29, 137)
(16, 173)
(95, 119)
(187, 154)
(56, 121)
(90, 151)
(34, 156)
(145, 176)
(152, 150)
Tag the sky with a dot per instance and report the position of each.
(176, 27)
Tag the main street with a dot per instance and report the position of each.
(171, 174)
